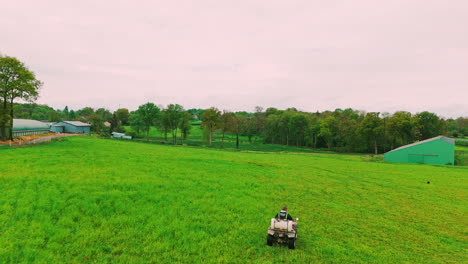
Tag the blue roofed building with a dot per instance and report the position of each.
(71, 127)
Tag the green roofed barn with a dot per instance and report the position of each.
(437, 150)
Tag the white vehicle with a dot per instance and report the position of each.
(282, 232)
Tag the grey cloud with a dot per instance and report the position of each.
(314, 55)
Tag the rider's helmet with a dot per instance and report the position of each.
(283, 215)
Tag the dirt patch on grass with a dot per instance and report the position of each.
(34, 139)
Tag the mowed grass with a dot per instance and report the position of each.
(89, 200)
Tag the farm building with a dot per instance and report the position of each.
(23, 127)
(437, 150)
(120, 135)
(70, 127)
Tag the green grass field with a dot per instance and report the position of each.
(90, 200)
(461, 155)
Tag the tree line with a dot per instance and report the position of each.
(345, 130)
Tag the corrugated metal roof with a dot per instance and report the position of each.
(28, 124)
(76, 123)
(446, 139)
(48, 123)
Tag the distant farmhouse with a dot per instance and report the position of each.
(70, 127)
(437, 150)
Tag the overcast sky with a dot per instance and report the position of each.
(236, 54)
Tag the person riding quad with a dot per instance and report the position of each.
(283, 214)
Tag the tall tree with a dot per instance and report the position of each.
(299, 127)
(105, 114)
(372, 129)
(16, 82)
(428, 125)
(115, 123)
(85, 114)
(227, 122)
(174, 114)
(259, 121)
(238, 126)
(400, 129)
(164, 123)
(313, 130)
(122, 115)
(54, 116)
(97, 122)
(284, 127)
(147, 114)
(270, 131)
(136, 123)
(185, 125)
(328, 130)
(65, 113)
(211, 122)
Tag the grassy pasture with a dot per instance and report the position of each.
(196, 138)
(461, 155)
(88, 200)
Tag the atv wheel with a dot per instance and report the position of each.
(270, 240)
(292, 243)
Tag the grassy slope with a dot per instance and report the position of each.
(93, 200)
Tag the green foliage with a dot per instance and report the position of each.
(211, 122)
(145, 116)
(327, 130)
(32, 111)
(137, 125)
(16, 82)
(340, 130)
(173, 115)
(458, 128)
(462, 142)
(461, 154)
(428, 125)
(105, 114)
(185, 126)
(53, 116)
(97, 122)
(372, 130)
(85, 113)
(123, 116)
(195, 114)
(75, 202)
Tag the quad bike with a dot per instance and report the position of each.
(282, 232)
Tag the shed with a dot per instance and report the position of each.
(437, 150)
(120, 135)
(71, 127)
(23, 127)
